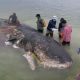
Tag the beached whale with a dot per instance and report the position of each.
(48, 51)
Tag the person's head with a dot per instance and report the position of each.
(62, 19)
(54, 17)
(64, 22)
(14, 14)
(38, 15)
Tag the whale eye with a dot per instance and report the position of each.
(56, 58)
(60, 59)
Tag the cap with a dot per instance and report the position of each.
(55, 17)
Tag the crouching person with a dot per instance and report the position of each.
(13, 20)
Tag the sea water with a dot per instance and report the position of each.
(13, 66)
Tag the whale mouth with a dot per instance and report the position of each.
(54, 64)
(65, 65)
(47, 62)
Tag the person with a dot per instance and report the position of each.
(51, 25)
(67, 34)
(13, 19)
(40, 24)
(78, 51)
(78, 76)
(61, 27)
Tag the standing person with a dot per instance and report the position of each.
(78, 76)
(51, 25)
(61, 27)
(40, 23)
(67, 34)
(13, 19)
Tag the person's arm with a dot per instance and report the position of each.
(49, 27)
(59, 27)
(16, 18)
(71, 29)
(64, 33)
(9, 19)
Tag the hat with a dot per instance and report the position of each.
(55, 17)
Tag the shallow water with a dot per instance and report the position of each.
(13, 66)
(26, 10)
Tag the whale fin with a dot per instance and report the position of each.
(29, 57)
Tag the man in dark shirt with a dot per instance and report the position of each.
(51, 25)
(40, 25)
(61, 26)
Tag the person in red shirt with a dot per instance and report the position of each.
(67, 34)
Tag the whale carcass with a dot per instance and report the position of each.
(48, 51)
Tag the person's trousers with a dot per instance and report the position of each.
(49, 33)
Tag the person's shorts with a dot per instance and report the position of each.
(41, 31)
(65, 43)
